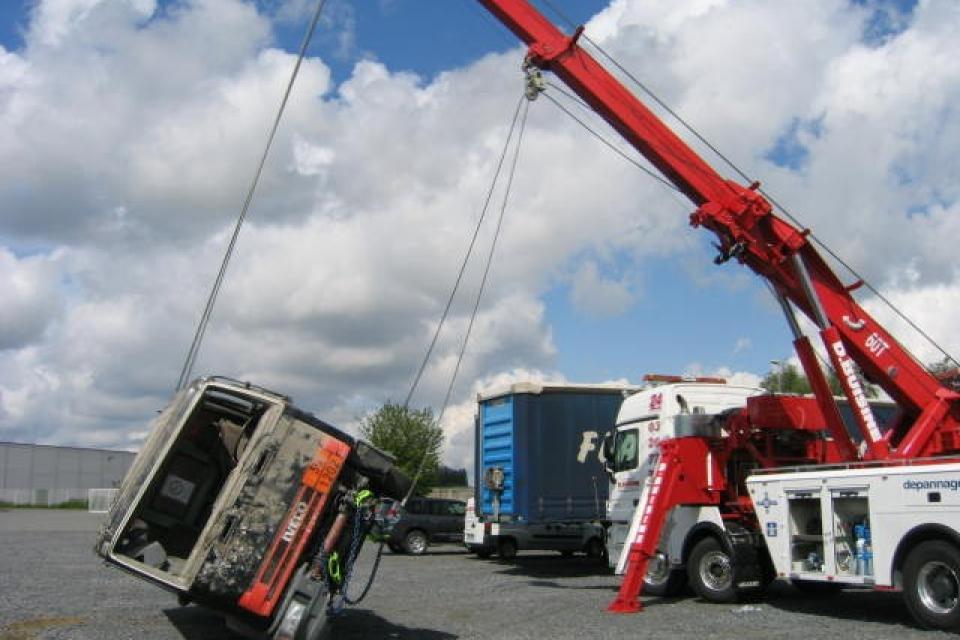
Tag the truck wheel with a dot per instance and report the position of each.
(931, 584)
(594, 548)
(710, 569)
(484, 553)
(661, 580)
(415, 542)
(507, 548)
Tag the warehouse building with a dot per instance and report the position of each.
(44, 475)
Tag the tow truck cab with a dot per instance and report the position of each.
(645, 419)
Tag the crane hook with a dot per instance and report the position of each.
(534, 84)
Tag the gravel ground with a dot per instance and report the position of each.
(52, 586)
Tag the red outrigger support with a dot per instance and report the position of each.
(683, 473)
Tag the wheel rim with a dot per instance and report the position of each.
(715, 571)
(658, 570)
(938, 587)
(416, 543)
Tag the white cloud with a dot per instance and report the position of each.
(128, 134)
(598, 296)
(742, 344)
(742, 378)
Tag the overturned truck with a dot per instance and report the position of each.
(243, 503)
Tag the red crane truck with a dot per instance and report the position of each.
(888, 517)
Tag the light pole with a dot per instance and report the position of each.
(779, 374)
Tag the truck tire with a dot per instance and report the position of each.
(507, 548)
(931, 584)
(484, 553)
(594, 548)
(711, 572)
(661, 580)
(415, 542)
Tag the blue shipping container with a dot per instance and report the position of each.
(547, 440)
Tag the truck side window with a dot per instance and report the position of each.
(626, 450)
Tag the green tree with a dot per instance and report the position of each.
(789, 379)
(786, 379)
(948, 371)
(409, 434)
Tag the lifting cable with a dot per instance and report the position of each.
(733, 166)
(476, 306)
(486, 271)
(187, 369)
(466, 258)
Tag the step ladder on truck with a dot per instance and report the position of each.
(917, 448)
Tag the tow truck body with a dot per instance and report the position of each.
(695, 470)
(241, 502)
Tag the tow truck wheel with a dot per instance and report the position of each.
(594, 548)
(931, 584)
(415, 543)
(661, 580)
(710, 569)
(507, 548)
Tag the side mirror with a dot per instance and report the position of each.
(609, 439)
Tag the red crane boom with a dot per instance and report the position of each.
(748, 230)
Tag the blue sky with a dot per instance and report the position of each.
(128, 136)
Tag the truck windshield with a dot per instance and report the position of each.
(161, 429)
(626, 450)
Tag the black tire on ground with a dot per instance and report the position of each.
(663, 581)
(484, 553)
(931, 584)
(711, 572)
(507, 548)
(415, 542)
(594, 548)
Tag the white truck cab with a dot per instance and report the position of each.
(645, 419)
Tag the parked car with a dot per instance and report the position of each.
(424, 521)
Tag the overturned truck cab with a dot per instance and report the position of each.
(243, 503)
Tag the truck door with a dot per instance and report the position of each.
(627, 475)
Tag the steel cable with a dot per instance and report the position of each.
(483, 283)
(466, 258)
(188, 364)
